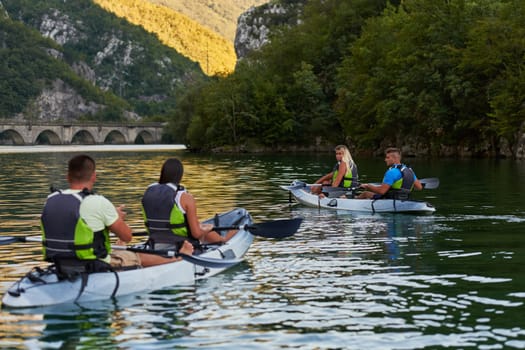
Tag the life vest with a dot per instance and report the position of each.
(402, 187)
(164, 220)
(66, 235)
(350, 178)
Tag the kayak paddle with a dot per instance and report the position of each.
(4, 240)
(270, 229)
(194, 259)
(430, 183)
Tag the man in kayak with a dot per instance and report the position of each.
(399, 180)
(344, 174)
(170, 213)
(76, 224)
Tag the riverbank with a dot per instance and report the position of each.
(89, 148)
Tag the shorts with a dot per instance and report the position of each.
(124, 259)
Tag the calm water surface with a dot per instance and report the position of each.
(344, 281)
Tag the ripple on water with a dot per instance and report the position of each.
(343, 281)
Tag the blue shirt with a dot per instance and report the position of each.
(392, 175)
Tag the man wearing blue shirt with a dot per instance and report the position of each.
(397, 182)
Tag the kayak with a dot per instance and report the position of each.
(301, 192)
(42, 286)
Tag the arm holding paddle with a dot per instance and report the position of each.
(121, 229)
(374, 189)
(384, 187)
(325, 180)
(399, 180)
(203, 232)
(418, 185)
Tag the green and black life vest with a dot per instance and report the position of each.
(66, 235)
(350, 178)
(164, 220)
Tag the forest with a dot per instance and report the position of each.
(443, 77)
(126, 68)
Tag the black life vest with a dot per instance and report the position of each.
(65, 234)
(164, 220)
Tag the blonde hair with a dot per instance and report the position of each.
(347, 157)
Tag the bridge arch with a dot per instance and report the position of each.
(47, 137)
(56, 133)
(11, 137)
(115, 137)
(144, 137)
(83, 137)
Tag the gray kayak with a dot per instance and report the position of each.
(301, 193)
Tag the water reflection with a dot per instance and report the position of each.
(349, 281)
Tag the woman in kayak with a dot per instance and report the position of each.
(170, 213)
(344, 173)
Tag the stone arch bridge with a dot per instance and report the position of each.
(86, 133)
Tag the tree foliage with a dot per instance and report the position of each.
(283, 94)
(432, 73)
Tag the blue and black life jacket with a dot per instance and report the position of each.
(402, 187)
(66, 235)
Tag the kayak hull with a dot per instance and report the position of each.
(301, 192)
(43, 288)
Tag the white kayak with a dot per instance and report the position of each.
(42, 287)
(301, 192)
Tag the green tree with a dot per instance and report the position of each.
(494, 62)
(403, 78)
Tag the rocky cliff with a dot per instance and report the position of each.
(254, 26)
(107, 53)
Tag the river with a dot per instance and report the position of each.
(454, 279)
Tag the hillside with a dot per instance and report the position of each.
(218, 15)
(212, 51)
(92, 65)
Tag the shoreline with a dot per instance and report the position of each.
(89, 148)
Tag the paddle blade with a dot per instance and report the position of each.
(276, 228)
(4, 240)
(430, 183)
(210, 262)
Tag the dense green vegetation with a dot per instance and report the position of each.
(26, 68)
(428, 73)
(137, 71)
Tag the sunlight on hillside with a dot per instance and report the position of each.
(214, 53)
(218, 15)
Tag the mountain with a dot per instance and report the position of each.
(58, 55)
(202, 30)
(108, 60)
(255, 25)
(220, 16)
(213, 52)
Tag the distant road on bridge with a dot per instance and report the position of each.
(81, 133)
